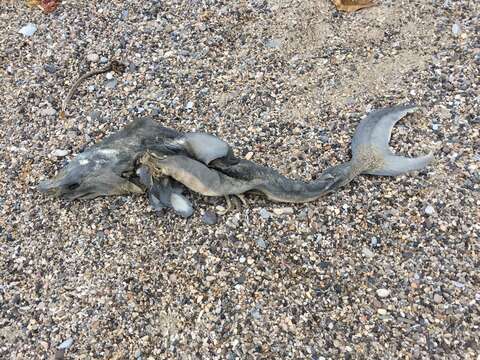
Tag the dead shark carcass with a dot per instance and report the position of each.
(146, 156)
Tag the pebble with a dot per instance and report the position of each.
(429, 210)
(233, 221)
(456, 29)
(209, 217)
(382, 312)
(95, 115)
(189, 105)
(50, 68)
(264, 214)
(49, 111)
(261, 243)
(383, 293)
(220, 208)
(93, 57)
(256, 314)
(437, 298)
(283, 211)
(59, 354)
(111, 84)
(60, 153)
(66, 344)
(28, 30)
(273, 43)
(303, 215)
(367, 252)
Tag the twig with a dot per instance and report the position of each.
(114, 66)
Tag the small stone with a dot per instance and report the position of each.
(111, 84)
(429, 210)
(95, 115)
(303, 215)
(273, 43)
(261, 243)
(367, 252)
(382, 312)
(210, 218)
(109, 75)
(210, 278)
(383, 293)
(132, 67)
(50, 68)
(49, 111)
(59, 354)
(220, 208)
(93, 57)
(256, 314)
(435, 127)
(373, 241)
(44, 345)
(437, 299)
(264, 214)
(456, 29)
(66, 344)
(242, 259)
(189, 105)
(250, 261)
(60, 153)
(249, 155)
(103, 60)
(233, 221)
(28, 30)
(283, 211)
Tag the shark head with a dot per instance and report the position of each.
(97, 172)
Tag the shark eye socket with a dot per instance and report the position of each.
(73, 186)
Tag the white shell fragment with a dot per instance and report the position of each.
(28, 30)
(66, 344)
(181, 205)
(60, 153)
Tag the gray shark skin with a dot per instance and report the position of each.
(146, 156)
(108, 168)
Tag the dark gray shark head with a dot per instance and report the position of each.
(97, 172)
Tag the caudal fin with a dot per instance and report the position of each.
(373, 135)
(396, 165)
